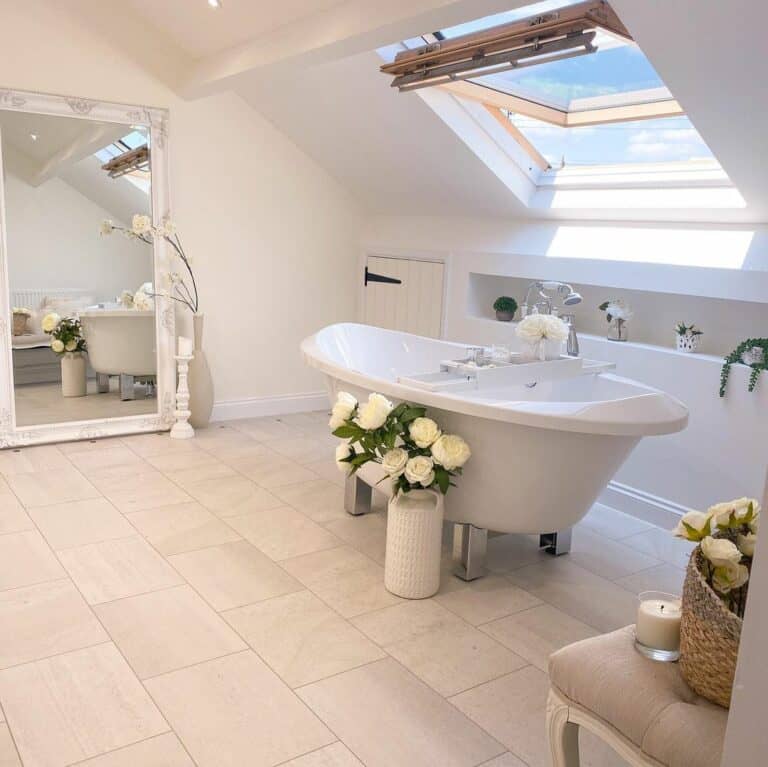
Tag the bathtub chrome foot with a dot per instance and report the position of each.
(556, 543)
(102, 383)
(358, 496)
(126, 387)
(469, 548)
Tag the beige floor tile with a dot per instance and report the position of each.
(454, 659)
(114, 460)
(328, 470)
(245, 453)
(387, 717)
(487, 599)
(662, 545)
(320, 500)
(510, 552)
(116, 569)
(613, 524)
(300, 449)
(77, 705)
(335, 755)
(45, 619)
(210, 471)
(367, 533)
(90, 445)
(13, 518)
(505, 760)
(536, 633)
(160, 751)
(158, 443)
(181, 527)
(283, 533)
(234, 574)
(273, 471)
(9, 756)
(31, 459)
(343, 578)
(170, 462)
(25, 559)
(42, 488)
(512, 710)
(141, 491)
(235, 711)
(232, 496)
(79, 522)
(263, 429)
(585, 596)
(407, 620)
(302, 639)
(607, 558)
(662, 578)
(167, 630)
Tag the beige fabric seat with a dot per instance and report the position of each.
(641, 708)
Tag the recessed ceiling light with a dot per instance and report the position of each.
(214, 3)
(33, 136)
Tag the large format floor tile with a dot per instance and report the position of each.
(80, 522)
(31, 459)
(302, 639)
(390, 719)
(160, 751)
(406, 620)
(116, 569)
(662, 578)
(42, 488)
(605, 557)
(272, 471)
(141, 491)
(366, 533)
(283, 533)
(111, 461)
(661, 545)
(335, 755)
(25, 558)
(181, 527)
(234, 574)
(232, 496)
(343, 578)
(77, 705)
(13, 518)
(613, 524)
(43, 620)
(167, 630)
(486, 599)
(235, 711)
(9, 756)
(319, 499)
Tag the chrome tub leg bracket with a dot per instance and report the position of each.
(556, 543)
(358, 496)
(469, 548)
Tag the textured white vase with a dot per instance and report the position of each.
(414, 534)
(73, 374)
(200, 380)
(687, 342)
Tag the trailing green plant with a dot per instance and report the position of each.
(687, 330)
(736, 356)
(505, 304)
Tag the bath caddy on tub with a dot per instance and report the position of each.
(459, 375)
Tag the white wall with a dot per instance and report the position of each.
(53, 242)
(274, 238)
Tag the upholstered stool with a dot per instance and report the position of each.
(643, 709)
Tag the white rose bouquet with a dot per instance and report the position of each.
(536, 329)
(726, 534)
(411, 448)
(66, 333)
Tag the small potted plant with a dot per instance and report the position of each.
(617, 313)
(68, 343)
(20, 317)
(505, 308)
(687, 337)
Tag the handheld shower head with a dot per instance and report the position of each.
(572, 298)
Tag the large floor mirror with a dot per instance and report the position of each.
(89, 340)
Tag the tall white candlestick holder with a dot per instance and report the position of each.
(182, 429)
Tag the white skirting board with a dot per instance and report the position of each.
(637, 503)
(255, 407)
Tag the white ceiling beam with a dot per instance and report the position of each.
(347, 29)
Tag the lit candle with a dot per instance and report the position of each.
(185, 346)
(658, 621)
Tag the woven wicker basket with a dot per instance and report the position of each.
(709, 638)
(19, 324)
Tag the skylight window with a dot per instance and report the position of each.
(138, 173)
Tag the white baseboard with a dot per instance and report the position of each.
(637, 503)
(255, 407)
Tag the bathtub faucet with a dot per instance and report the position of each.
(544, 305)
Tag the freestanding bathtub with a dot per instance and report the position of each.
(120, 342)
(541, 454)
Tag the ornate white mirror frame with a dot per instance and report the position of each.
(156, 120)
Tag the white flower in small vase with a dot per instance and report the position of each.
(687, 337)
(542, 335)
(50, 321)
(617, 313)
(57, 345)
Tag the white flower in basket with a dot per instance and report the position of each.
(543, 334)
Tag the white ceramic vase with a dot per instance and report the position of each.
(73, 374)
(687, 342)
(414, 534)
(200, 380)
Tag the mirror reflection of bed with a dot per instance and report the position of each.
(64, 264)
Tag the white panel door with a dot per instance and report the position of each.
(415, 305)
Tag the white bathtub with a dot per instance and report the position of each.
(540, 456)
(120, 341)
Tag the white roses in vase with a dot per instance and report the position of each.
(411, 448)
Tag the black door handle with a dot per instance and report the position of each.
(373, 277)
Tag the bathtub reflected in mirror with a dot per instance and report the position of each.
(83, 338)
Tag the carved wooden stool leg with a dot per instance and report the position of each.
(562, 735)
